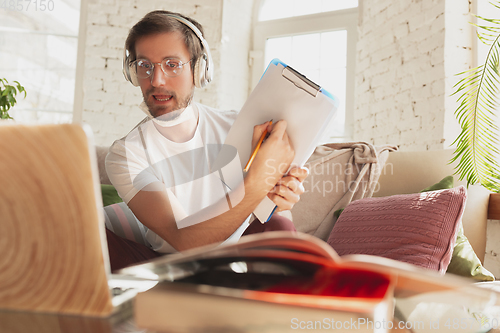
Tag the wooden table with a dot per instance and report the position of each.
(25, 322)
(28, 322)
(494, 207)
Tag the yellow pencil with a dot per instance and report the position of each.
(262, 137)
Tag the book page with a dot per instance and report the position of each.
(175, 266)
(413, 280)
(278, 246)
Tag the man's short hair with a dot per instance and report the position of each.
(156, 22)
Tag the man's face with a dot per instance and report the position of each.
(164, 94)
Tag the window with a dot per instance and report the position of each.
(322, 58)
(320, 45)
(38, 47)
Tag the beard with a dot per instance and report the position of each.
(168, 112)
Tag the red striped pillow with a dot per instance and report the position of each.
(419, 228)
(119, 219)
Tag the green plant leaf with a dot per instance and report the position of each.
(488, 33)
(8, 97)
(20, 88)
(479, 99)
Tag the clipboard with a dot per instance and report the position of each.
(283, 93)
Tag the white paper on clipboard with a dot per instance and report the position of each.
(283, 93)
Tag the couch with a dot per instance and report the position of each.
(409, 172)
(406, 173)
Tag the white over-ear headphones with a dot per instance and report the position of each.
(203, 68)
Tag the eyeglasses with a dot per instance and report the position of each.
(170, 67)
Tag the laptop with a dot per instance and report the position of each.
(54, 255)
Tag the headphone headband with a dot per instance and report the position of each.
(203, 68)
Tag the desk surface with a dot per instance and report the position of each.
(25, 322)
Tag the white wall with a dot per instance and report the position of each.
(110, 103)
(234, 80)
(408, 53)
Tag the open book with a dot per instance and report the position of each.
(279, 282)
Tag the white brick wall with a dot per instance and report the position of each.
(109, 102)
(408, 53)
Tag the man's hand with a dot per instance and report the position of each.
(273, 158)
(287, 191)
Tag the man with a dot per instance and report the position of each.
(156, 167)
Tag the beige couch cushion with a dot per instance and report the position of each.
(339, 174)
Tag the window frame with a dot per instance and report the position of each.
(346, 19)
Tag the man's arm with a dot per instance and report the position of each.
(153, 208)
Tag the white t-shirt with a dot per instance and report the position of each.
(145, 156)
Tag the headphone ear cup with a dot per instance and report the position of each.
(131, 77)
(200, 67)
(125, 71)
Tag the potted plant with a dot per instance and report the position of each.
(8, 97)
(478, 151)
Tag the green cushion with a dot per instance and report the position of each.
(109, 195)
(443, 184)
(464, 261)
